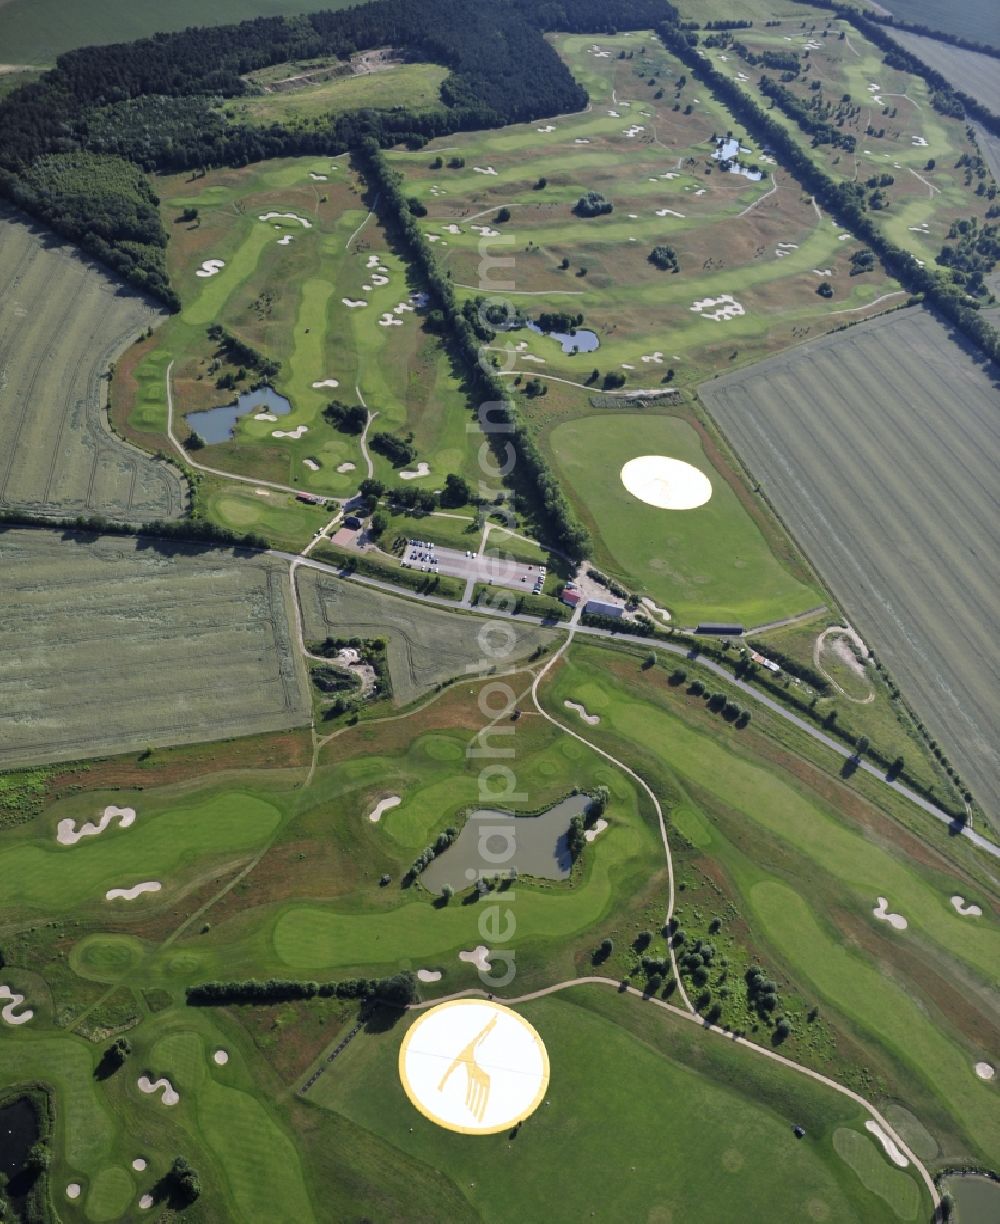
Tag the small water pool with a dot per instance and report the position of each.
(217, 424)
(580, 341)
(494, 842)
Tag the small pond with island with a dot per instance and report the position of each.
(217, 424)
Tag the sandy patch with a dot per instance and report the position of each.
(352, 305)
(985, 1071)
(479, 956)
(403, 307)
(170, 1094)
(276, 216)
(383, 805)
(485, 231)
(379, 280)
(891, 1150)
(581, 140)
(264, 416)
(896, 921)
(317, 178)
(428, 975)
(210, 267)
(372, 261)
(346, 466)
(590, 719)
(311, 464)
(295, 433)
(263, 492)
(669, 212)
(592, 834)
(145, 1202)
(423, 469)
(453, 229)
(325, 382)
(634, 130)
(484, 169)
(823, 271)
(549, 127)
(668, 484)
(130, 894)
(389, 320)
(966, 910)
(532, 357)
(366, 288)
(286, 240)
(220, 1057)
(139, 1164)
(9, 1011)
(726, 305)
(614, 114)
(73, 1190)
(67, 833)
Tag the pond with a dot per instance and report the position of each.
(977, 1199)
(495, 842)
(18, 1131)
(217, 424)
(581, 341)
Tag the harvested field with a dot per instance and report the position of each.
(110, 643)
(876, 447)
(973, 73)
(62, 322)
(427, 645)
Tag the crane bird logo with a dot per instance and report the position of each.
(498, 1076)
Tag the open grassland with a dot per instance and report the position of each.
(912, 144)
(62, 323)
(417, 87)
(731, 1147)
(973, 73)
(427, 646)
(283, 290)
(793, 867)
(36, 31)
(709, 563)
(112, 643)
(875, 447)
(758, 242)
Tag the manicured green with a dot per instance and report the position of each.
(877, 1175)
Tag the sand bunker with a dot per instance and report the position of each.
(728, 308)
(9, 1011)
(145, 1202)
(170, 1094)
(966, 910)
(380, 280)
(346, 466)
(352, 305)
(881, 911)
(669, 212)
(311, 464)
(264, 416)
(73, 1190)
(581, 140)
(532, 357)
(484, 169)
(891, 1150)
(372, 261)
(276, 216)
(423, 469)
(590, 719)
(367, 288)
(428, 975)
(139, 1164)
(388, 320)
(295, 433)
(67, 833)
(318, 178)
(656, 358)
(592, 834)
(130, 894)
(985, 1071)
(668, 484)
(286, 240)
(210, 267)
(325, 382)
(384, 805)
(220, 1057)
(634, 130)
(549, 127)
(479, 956)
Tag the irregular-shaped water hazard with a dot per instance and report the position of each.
(215, 425)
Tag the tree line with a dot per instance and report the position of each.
(397, 991)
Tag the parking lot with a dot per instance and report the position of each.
(491, 568)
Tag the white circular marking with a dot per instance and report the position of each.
(221, 1057)
(668, 484)
(73, 1190)
(473, 1066)
(139, 1164)
(985, 1071)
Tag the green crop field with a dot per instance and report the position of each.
(62, 323)
(36, 31)
(113, 642)
(710, 563)
(284, 289)
(427, 645)
(722, 1156)
(414, 86)
(875, 447)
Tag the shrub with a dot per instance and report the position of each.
(593, 204)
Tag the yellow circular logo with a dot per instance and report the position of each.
(473, 1066)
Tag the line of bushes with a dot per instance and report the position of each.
(415, 580)
(399, 990)
(188, 531)
(792, 666)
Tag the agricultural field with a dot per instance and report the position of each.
(304, 93)
(113, 643)
(973, 73)
(63, 321)
(924, 165)
(875, 448)
(316, 286)
(427, 646)
(36, 31)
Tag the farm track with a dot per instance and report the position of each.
(893, 496)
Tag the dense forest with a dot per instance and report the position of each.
(153, 102)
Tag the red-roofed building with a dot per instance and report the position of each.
(572, 598)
